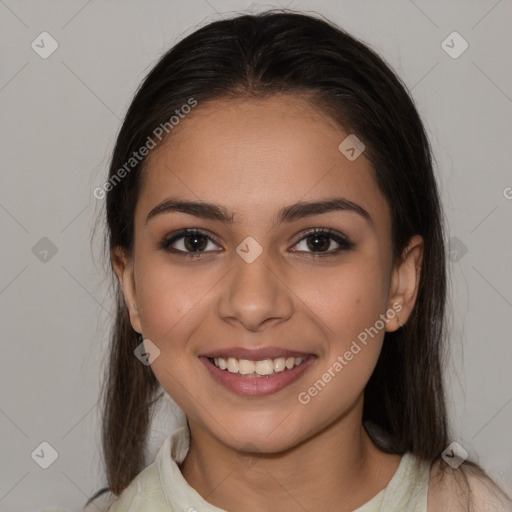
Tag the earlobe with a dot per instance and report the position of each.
(122, 264)
(405, 283)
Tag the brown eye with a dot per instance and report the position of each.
(188, 242)
(194, 243)
(319, 241)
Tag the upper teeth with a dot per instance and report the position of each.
(264, 367)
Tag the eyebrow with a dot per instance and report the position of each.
(288, 213)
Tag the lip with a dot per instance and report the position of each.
(257, 386)
(257, 354)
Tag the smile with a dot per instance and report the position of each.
(257, 372)
(263, 368)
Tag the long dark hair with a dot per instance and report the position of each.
(258, 56)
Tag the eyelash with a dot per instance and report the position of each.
(343, 241)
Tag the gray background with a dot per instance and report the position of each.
(60, 116)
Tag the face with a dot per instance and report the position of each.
(264, 292)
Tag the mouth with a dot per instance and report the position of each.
(255, 369)
(256, 372)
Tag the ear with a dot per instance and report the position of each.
(123, 267)
(404, 283)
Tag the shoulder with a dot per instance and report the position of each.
(465, 489)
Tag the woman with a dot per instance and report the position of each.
(275, 228)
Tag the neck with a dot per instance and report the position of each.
(339, 468)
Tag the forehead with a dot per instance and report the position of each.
(254, 156)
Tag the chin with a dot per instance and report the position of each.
(274, 434)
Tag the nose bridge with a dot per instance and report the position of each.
(255, 293)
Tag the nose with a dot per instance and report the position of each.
(255, 295)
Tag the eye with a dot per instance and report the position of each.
(193, 242)
(187, 242)
(319, 240)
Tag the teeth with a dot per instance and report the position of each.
(262, 368)
(245, 367)
(265, 367)
(232, 365)
(279, 364)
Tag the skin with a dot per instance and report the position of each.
(254, 157)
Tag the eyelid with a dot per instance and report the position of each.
(326, 232)
(173, 237)
(341, 239)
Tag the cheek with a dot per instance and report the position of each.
(170, 298)
(349, 303)
(347, 299)
(172, 307)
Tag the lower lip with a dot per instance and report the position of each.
(256, 386)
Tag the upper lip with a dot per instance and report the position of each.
(258, 354)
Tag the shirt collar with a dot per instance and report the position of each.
(179, 494)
